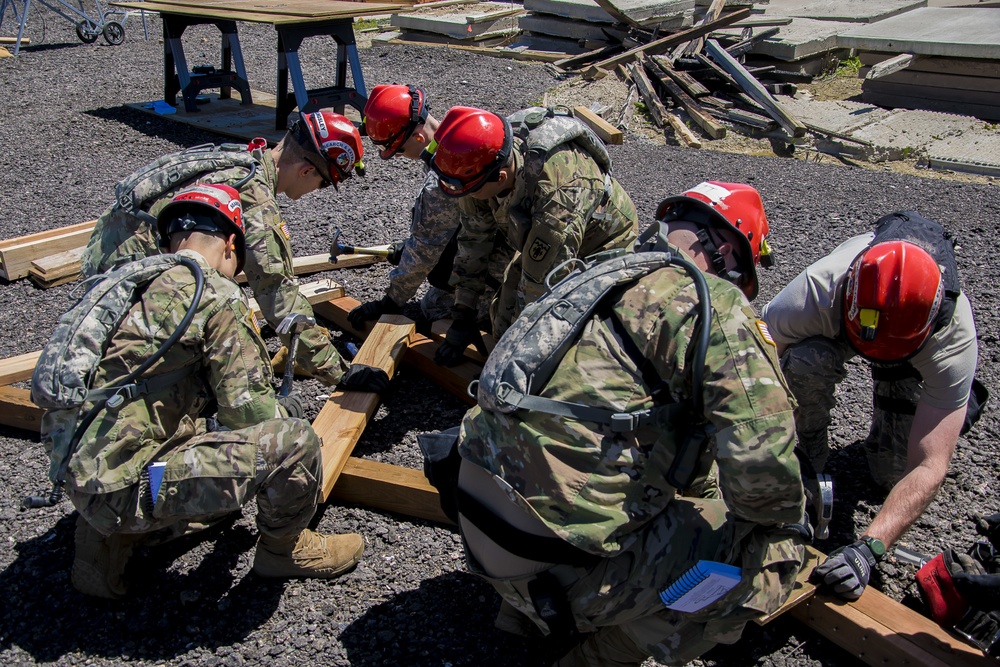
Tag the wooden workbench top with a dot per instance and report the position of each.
(267, 11)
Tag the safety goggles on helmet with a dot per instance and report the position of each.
(419, 109)
(454, 186)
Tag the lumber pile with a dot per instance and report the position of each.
(16, 255)
(455, 22)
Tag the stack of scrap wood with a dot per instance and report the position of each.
(456, 22)
(703, 79)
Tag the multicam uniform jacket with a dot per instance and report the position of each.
(120, 236)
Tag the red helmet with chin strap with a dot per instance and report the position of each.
(205, 208)
(892, 294)
(391, 115)
(734, 207)
(470, 148)
(335, 139)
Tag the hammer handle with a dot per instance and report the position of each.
(286, 381)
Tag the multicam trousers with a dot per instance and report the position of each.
(813, 369)
(212, 475)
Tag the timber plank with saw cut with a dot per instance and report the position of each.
(19, 368)
(688, 83)
(754, 89)
(388, 487)
(315, 293)
(608, 133)
(17, 254)
(419, 354)
(648, 93)
(17, 410)
(57, 269)
(302, 266)
(343, 418)
(663, 44)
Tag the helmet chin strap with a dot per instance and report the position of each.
(717, 259)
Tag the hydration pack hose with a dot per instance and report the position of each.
(55, 494)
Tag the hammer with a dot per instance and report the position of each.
(294, 324)
(337, 248)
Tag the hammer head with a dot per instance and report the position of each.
(295, 323)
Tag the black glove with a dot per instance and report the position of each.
(293, 405)
(364, 378)
(372, 310)
(989, 527)
(395, 252)
(846, 570)
(463, 330)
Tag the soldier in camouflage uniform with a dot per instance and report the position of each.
(894, 298)
(264, 449)
(541, 180)
(398, 120)
(596, 499)
(320, 149)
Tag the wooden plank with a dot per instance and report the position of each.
(574, 61)
(343, 418)
(315, 293)
(60, 264)
(13, 40)
(886, 67)
(419, 354)
(688, 83)
(718, 71)
(226, 116)
(648, 93)
(695, 45)
(17, 254)
(695, 110)
(19, 368)
(748, 118)
(752, 87)
(387, 487)
(663, 44)
(338, 10)
(316, 263)
(17, 410)
(682, 131)
(608, 133)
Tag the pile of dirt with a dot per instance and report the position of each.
(195, 603)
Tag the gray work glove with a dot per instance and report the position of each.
(395, 255)
(463, 330)
(846, 571)
(372, 310)
(364, 378)
(293, 405)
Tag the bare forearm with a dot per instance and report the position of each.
(905, 504)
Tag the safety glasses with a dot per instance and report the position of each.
(326, 182)
(455, 187)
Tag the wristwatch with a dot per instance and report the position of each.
(875, 545)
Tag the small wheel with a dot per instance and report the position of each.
(114, 33)
(87, 31)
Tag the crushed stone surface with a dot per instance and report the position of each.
(67, 139)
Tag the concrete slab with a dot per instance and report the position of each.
(582, 10)
(903, 133)
(850, 11)
(647, 12)
(458, 21)
(841, 116)
(977, 152)
(932, 31)
(799, 39)
(544, 24)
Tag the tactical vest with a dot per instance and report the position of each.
(61, 382)
(528, 354)
(137, 193)
(937, 241)
(543, 130)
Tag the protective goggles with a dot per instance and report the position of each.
(419, 111)
(453, 186)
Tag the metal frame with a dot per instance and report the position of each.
(78, 17)
(177, 78)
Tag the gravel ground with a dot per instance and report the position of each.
(409, 602)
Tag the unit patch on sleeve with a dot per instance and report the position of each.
(538, 250)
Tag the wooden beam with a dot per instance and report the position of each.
(315, 263)
(17, 410)
(344, 416)
(695, 45)
(19, 368)
(890, 66)
(748, 118)
(573, 61)
(13, 40)
(419, 354)
(682, 131)
(648, 94)
(663, 44)
(752, 87)
(688, 83)
(17, 254)
(608, 133)
(387, 487)
(315, 293)
(695, 110)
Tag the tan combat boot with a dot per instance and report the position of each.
(308, 554)
(99, 564)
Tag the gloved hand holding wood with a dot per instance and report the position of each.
(846, 571)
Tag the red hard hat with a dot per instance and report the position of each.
(336, 140)
(892, 295)
(205, 208)
(391, 115)
(470, 148)
(735, 207)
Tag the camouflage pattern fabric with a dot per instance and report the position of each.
(813, 368)
(120, 237)
(434, 223)
(107, 475)
(546, 226)
(606, 493)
